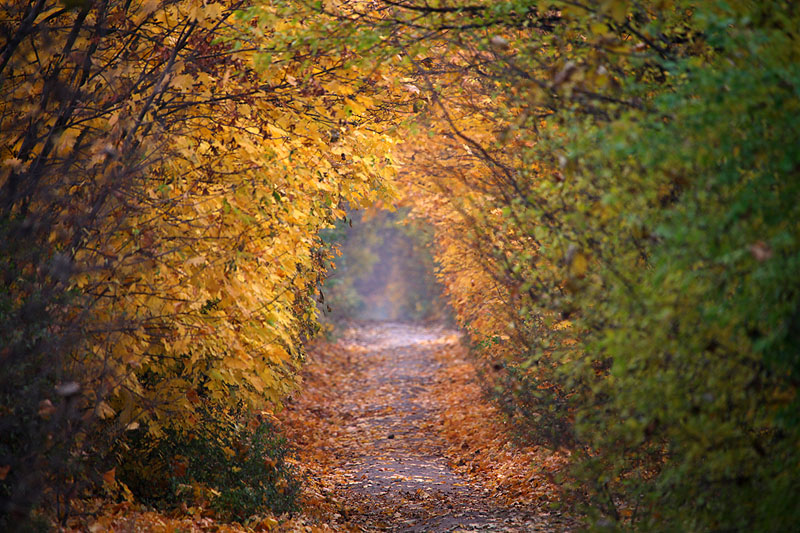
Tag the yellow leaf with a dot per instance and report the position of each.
(256, 382)
(81, 280)
(355, 107)
(579, 265)
(183, 82)
(146, 9)
(42, 16)
(105, 411)
(268, 523)
(214, 10)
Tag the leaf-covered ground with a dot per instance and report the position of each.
(393, 433)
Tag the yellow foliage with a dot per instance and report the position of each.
(196, 187)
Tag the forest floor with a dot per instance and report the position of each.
(394, 434)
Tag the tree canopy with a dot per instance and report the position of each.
(612, 187)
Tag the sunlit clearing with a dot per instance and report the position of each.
(384, 271)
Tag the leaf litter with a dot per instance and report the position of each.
(392, 432)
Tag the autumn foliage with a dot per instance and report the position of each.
(612, 185)
(614, 198)
(167, 167)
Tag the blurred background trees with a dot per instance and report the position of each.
(384, 270)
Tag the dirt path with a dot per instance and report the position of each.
(381, 426)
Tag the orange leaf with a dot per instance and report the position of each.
(109, 478)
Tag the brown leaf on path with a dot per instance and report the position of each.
(110, 477)
(395, 434)
(392, 432)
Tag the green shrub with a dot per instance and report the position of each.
(237, 469)
(695, 425)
